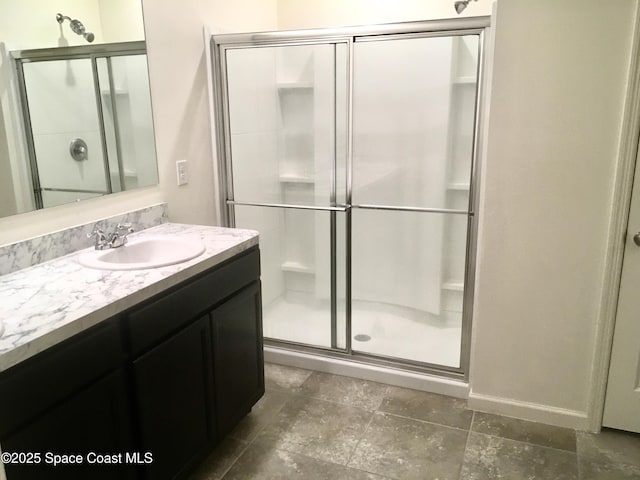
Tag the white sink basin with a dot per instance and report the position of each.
(145, 252)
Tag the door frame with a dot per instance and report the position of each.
(628, 158)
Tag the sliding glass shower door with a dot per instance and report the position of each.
(353, 156)
(413, 122)
(286, 143)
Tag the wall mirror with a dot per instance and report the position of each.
(75, 107)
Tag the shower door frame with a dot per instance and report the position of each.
(78, 52)
(349, 35)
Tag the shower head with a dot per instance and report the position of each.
(460, 5)
(76, 26)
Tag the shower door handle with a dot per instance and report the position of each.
(636, 239)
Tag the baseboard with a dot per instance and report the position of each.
(534, 412)
(373, 373)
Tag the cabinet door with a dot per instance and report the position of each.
(173, 391)
(238, 356)
(94, 420)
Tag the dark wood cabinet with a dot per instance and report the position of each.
(238, 356)
(96, 419)
(169, 377)
(174, 399)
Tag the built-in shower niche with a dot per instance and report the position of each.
(305, 93)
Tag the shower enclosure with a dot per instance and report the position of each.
(87, 116)
(352, 151)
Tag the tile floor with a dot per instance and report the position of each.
(313, 425)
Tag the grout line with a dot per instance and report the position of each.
(255, 436)
(528, 443)
(362, 436)
(334, 463)
(334, 402)
(426, 421)
(466, 445)
(235, 460)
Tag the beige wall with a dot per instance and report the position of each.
(295, 14)
(560, 71)
(179, 92)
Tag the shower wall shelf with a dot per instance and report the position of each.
(454, 286)
(284, 86)
(118, 91)
(297, 267)
(296, 178)
(458, 186)
(465, 80)
(463, 85)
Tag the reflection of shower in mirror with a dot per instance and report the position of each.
(76, 26)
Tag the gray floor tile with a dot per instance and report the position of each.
(262, 460)
(281, 377)
(261, 414)
(434, 408)
(610, 446)
(403, 448)
(315, 428)
(220, 460)
(593, 470)
(345, 390)
(530, 432)
(493, 458)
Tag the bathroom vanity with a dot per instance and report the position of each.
(149, 389)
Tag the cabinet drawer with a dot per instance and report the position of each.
(166, 313)
(38, 383)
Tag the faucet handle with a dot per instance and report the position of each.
(124, 226)
(96, 232)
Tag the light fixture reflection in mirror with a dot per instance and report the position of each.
(104, 101)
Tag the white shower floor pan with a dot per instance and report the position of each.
(379, 329)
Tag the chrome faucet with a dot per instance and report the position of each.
(113, 240)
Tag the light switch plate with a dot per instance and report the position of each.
(182, 171)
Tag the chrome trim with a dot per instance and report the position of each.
(116, 125)
(327, 35)
(472, 224)
(220, 132)
(226, 142)
(413, 209)
(430, 34)
(31, 147)
(81, 51)
(349, 200)
(74, 190)
(294, 346)
(287, 205)
(334, 277)
(332, 215)
(103, 136)
(284, 43)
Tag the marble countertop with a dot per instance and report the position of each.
(45, 304)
